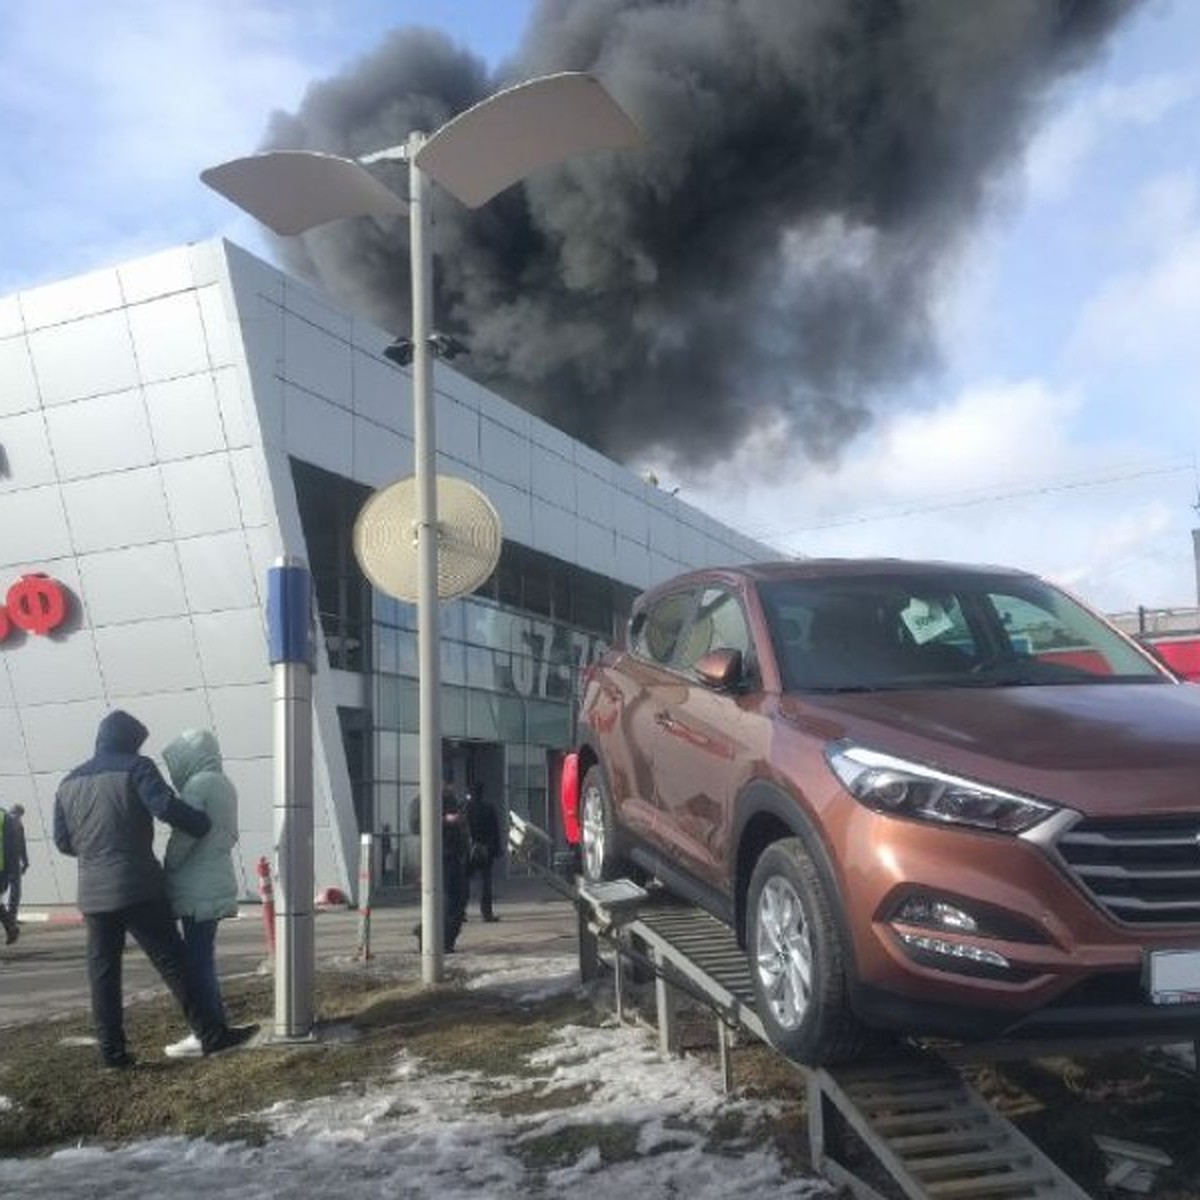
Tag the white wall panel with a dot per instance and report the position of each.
(217, 572)
(380, 455)
(61, 736)
(125, 509)
(13, 759)
(504, 454)
(597, 499)
(633, 561)
(19, 391)
(156, 275)
(168, 337)
(247, 480)
(553, 478)
(554, 531)
(84, 358)
(598, 547)
(318, 432)
(515, 508)
(458, 431)
(69, 299)
(244, 720)
(235, 420)
(25, 459)
(166, 715)
(550, 438)
(101, 434)
(185, 418)
(12, 323)
(132, 584)
(383, 392)
(220, 329)
(201, 495)
(35, 527)
(233, 646)
(149, 657)
(664, 534)
(630, 516)
(316, 361)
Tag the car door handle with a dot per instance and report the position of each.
(664, 720)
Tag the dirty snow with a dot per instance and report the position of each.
(421, 1135)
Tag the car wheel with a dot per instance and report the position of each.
(598, 842)
(798, 961)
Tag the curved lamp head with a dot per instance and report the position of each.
(290, 191)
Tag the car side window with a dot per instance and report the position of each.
(719, 624)
(654, 632)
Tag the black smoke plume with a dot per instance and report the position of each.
(768, 260)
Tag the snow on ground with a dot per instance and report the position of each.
(423, 1135)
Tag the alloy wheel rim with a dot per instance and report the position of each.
(593, 833)
(783, 953)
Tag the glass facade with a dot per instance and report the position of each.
(512, 660)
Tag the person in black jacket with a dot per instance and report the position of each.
(104, 815)
(486, 847)
(18, 862)
(10, 871)
(455, 848)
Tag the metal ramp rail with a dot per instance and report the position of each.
(928, 1130)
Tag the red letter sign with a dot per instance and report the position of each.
(35, 603)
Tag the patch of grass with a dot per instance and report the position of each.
(615, 1142)
(61, 1095)
(538, 1099)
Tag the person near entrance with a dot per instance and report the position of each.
(486, 846)
(104, 814)
(455, 848)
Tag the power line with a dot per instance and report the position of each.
(1175, 468)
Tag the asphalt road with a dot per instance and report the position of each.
(44, 973)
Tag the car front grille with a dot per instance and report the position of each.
(1141, 872)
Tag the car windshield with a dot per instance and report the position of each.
(864, 633)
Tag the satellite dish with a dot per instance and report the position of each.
(468, 542)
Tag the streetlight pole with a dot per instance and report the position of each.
(473, 156)
(433, 897)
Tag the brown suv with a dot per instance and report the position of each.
(935, 799)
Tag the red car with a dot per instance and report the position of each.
(930, 799)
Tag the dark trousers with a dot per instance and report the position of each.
(199, 943)
(454, 881)
(153, 928)
(14, 893)
(483, 869)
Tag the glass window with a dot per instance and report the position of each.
(454, 712)
(941, 630)
(482, 716)
(718, 624)
(454, 662)
(388, 747)
(387, 649)
(549, 724)
(481, 669)
(656, 630)
(387, 701)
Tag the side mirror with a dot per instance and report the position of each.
(722, 670)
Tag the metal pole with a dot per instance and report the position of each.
(424, 437)
(289, 620)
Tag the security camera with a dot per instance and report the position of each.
(400, 352)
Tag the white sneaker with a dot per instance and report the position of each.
(188, 1047)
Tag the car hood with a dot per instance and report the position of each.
(1092, 746)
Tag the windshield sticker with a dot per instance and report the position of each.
(926, 620)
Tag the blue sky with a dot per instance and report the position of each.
(1061, 434)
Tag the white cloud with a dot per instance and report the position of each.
(1057, 153)
(1002, 474)
(1146, 315)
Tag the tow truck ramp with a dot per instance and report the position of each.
(932, 1134)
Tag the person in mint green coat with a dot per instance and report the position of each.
(201, 883)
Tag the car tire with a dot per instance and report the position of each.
(597, 835)
(798, 960)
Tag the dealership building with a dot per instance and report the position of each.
(169, 428)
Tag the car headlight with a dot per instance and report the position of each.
(908, 789)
